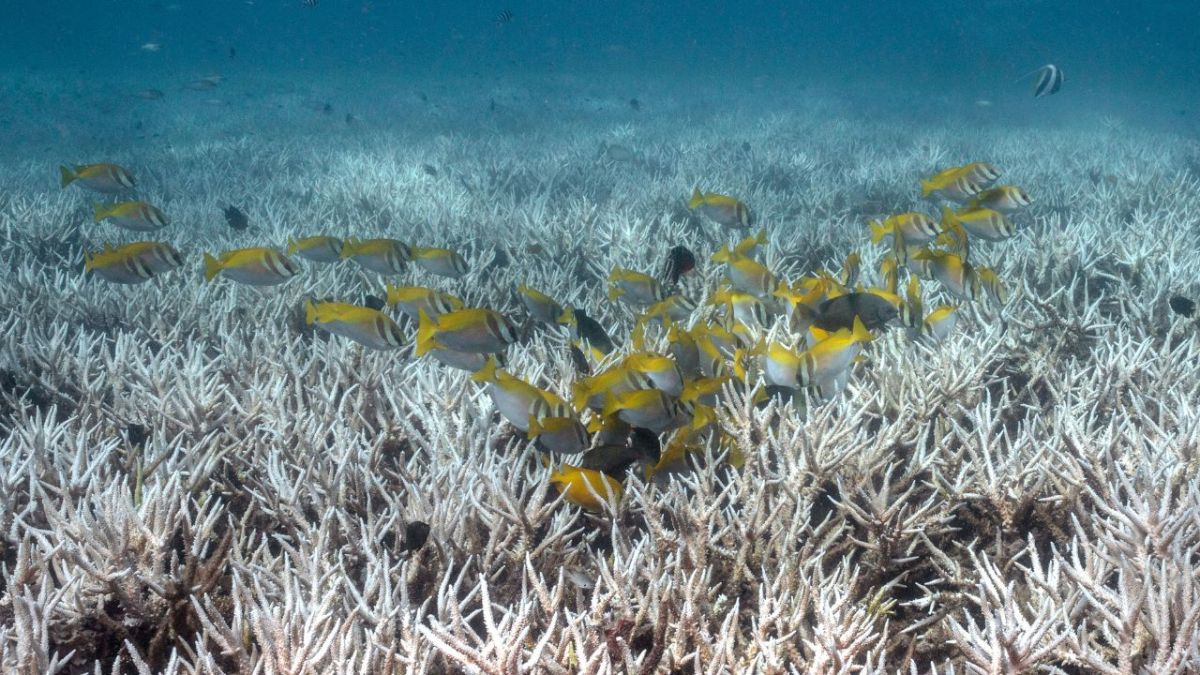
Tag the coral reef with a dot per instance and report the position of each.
(194, 483)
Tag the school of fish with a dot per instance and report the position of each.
(654, 404)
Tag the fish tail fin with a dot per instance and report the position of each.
(760, 239)
(725, 254)
(349, 248)
(487, 373)
(697, 198)
(567, 318)
(212, 267)
(426, 333)
(580, 393)
(611, 405)
(878, 231)
(948, 217)
(927, 188)
(292, 246)
(391, 294)
(67, 176)
(310, 312)
(89, 262)
(860, 332)
(535, 428)
(614, 292)
(101, 211)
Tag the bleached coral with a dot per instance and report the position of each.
(194, 483)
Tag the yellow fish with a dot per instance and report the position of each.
(541, 306)
(960, 183)
(477, 330)
(586, 488)
(671, 308)
(634, 287)
(993, 285)
(117, 265)
(368, 327)
(743, 308)
(940, 323)
(136, 216)
(320, 248)
(106, 178)
(747, 274)
(156, 256)
(1002, 198)
(721, 209)
(384, 256)
(957, 275)
(514, 398)
(252, 266)
(412, 300)
(833, 355)
(780, 365)
(440, 261)
(917, 229)
(555, 427)
(983, 223)
(662, 371)
(655, 410)
(591, 392)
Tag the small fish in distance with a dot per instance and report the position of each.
(635, 104)
(504, 17)
(1182, 306)
(680, 261)
(1049, 80)
(236, 219)
(416, 532)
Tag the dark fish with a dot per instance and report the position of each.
(327, 108)
(635, 104)
(136, 434)
(416, 532)
(745, 146)
(374, 302)
(233, 52)
(428, 168)
(504, 17)
(492, 105)
(350, 119)
(589, 329)
(580, 361)
(642, 445)
(680, 261)
(236, 219)
(424, 98)
(840, 312)
(1049, 80)
(1182, 306)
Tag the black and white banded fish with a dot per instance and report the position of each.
(1049, 80)
(503, 17)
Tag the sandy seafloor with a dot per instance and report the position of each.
(193, 482)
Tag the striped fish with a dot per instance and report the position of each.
(1049, 80)
(107, 178)
(252, 266)
(117, 265)
(319, 248)
(385, 256)
(368, 327)
(136, 216)
(440, 261)
(503, 17)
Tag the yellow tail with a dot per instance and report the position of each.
(697, 198)
(101, 211)
(927, 188)
(535, 428)
(426, 333)
(487, 373)
(293, 246)
(349, 248)
(89, 262)
(68, 176)
(212, 267)
(860, 332)
(310, 312)
(879, 231)
(567, 318)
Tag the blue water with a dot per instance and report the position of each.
(1107, 48)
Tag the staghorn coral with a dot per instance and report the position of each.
(191, 484)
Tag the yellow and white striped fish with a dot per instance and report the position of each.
(136, 216)
(412, 300)
(117, 265)
(252, 266)
(368, 327)
(107, 178)
(477, 330)
(983, 223)
(1002, 198)
(319, 248)
(383, 256)
(440, 261)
